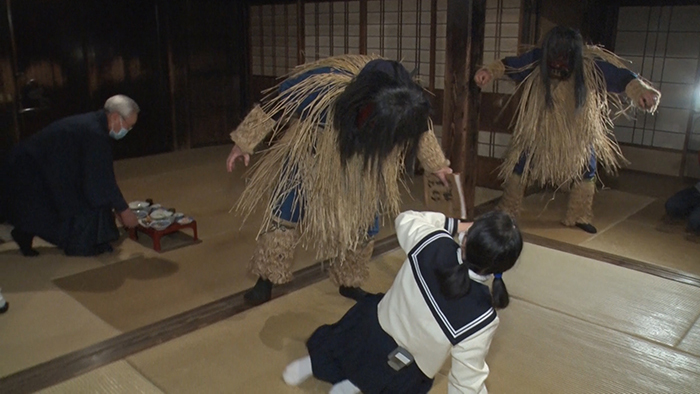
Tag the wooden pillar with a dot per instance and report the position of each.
(301, 32)
(363, 27)
(464, 54)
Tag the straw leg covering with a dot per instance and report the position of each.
(274, 254)
(352, 269)
(580, 209)
(512, 199)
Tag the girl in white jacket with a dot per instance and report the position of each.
(439, 306)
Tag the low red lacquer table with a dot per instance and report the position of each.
(157, 234)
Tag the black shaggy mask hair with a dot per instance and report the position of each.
(563, 43)
(382, 108)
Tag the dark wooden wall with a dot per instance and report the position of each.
(183, 61)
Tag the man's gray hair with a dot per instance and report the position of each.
(121, 104)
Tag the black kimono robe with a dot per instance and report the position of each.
(59, 185)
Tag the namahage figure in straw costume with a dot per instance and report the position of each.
(563, 124)
(341, 129)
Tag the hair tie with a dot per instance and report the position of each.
(498, 276)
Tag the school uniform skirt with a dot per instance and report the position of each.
(356, 348)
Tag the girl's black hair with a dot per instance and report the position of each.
(382, 108)
(492, 246)
(563, 41)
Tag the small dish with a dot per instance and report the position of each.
(160, 224)
(185, 220)
(138, 205)
(140, 213)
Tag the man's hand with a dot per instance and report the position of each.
(236, 153)
(128, 218)
(482, 77)
(442, 174)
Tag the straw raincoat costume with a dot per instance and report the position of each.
(320, 184)
(562, 127)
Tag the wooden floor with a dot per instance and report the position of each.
(174, 322)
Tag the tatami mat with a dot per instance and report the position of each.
(115, 378)
(47, 324)
(691, 341)
(638, 238)
(615, 297)
(537, 350)
(248, 352)
(627, 226)
(540, 347)
(543, 212)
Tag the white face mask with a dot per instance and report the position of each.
(117, 135)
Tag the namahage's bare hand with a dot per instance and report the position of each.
(482, 77)
(442, 174)
(236, 153)
(648, 100)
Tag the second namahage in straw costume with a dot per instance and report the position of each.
(340, 130)
(563, 121)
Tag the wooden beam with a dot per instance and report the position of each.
(464, 53)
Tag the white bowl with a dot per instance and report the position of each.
(160, 214)
(138, 204)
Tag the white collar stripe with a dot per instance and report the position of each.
(429, 296)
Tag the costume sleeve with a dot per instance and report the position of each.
(99, 183)
(256, 125)
(616, 79)
(430, 153)
(516, 67)
(469, 370)
(413, 226)
(636, 88)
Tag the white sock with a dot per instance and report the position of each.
(2, 300)
(297, 371)
(344, 387)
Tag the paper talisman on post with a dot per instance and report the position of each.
(440, 198)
